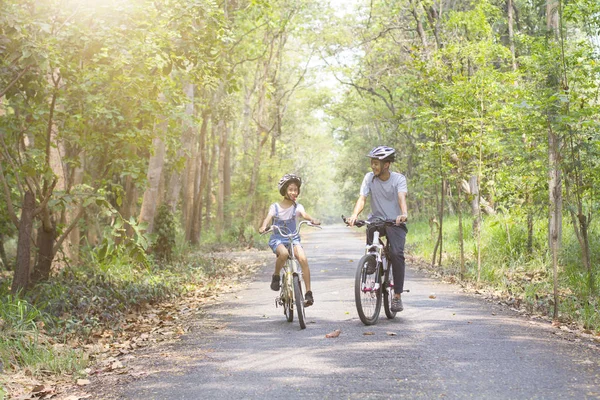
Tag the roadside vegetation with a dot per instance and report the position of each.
(509, 272)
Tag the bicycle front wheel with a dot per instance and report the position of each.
(286, 296)
(388, 292)
(367, 290)
(299, 299)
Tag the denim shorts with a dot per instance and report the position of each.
(274, 242)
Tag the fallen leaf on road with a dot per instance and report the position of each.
(333, 334)
(83, 382)
(432, 296)
(368, 333)
(391, 333)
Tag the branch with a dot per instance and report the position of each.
(47, 196)
(62, 237)
(3, 92)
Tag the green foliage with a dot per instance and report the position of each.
(123, 241)
(507, 265)
(164, 229)
(24, 344)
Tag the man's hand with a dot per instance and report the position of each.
(315, 222)
(401, 218)
(262, 230)
(351, 220)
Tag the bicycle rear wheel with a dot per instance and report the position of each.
(299, 300)
(367, 290)
(388, 292)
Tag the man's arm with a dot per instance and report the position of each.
(403, 208)
(358, 207)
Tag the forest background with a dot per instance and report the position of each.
(136, 137)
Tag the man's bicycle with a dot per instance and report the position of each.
(291, 280)
(374, 277)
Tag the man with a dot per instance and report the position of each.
(388, 201)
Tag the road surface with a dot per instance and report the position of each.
(453, 346)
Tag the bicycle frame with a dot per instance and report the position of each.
(379, 251)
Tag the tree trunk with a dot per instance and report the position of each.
(210, 198)
(3, 257)
(511, 35)
(554, 178)
(554, 208)
(187, 135)
(222, 131)
(155, 167)
(200, 178)
(23, 267)
(46, 236)
(461, 240)
(474, 189)
(227, 183)
(529, 205)
(129, 205)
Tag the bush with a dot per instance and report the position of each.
(164, 229)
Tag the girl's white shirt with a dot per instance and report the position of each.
(286, 213)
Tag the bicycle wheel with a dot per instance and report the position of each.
(388, 292)
(367, 290)
(299, 300)
(287, 298)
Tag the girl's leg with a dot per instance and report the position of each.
(301, 257)
(282, 256)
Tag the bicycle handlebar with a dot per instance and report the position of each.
(378, 222)
(291, 235)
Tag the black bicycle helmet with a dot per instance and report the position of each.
(286, 180)
(383, 153)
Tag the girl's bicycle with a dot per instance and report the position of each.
(291, 280)
(374, 278)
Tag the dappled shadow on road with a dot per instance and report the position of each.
(445, 344)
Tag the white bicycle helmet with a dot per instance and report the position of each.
(383, 153)
(286, 180)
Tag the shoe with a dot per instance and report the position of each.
(397, 305)
(275, 285)
(308, 299)
(371, 266)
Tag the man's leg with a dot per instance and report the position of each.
(397, 238)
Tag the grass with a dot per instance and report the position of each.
(507, 265)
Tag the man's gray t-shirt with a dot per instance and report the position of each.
(384, 194)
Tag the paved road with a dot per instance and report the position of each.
(455, 346)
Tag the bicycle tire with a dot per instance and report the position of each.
(388, 292)
(299, 300)
(367, 291)
(286, 296)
